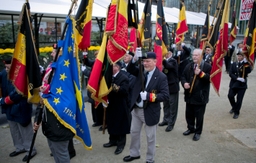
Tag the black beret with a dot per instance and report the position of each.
(7, 61)
(170, 50)
(149, 55)
(130, 53)
(119, 63)
(240, 53)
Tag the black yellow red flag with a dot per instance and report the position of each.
(117, 30)
(215, 26)
(84, 24)
(99, 83)
(145, 23)
(205, 30)
(25, 71)
(182, 26)
(221, 49)
(161, 39)
(233, 31)
(250, 38)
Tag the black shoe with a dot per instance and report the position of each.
(163, 124)
(188, 132)
(71, 155)
(130, 158)
(231, 111)
(95, 125)
(119, 150)
(109, 144)
(196, 137)
(235, 116)
(101, 128)
(16, 153)
(51, 154)
(169, 128)
(25, 159)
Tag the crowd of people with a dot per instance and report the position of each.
(138, 89)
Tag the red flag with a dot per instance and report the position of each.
(84, 24)
(133, 40)
(250, 37)
(182, 27)
(221, 49)
(117, 30)
(25, 71)
(161, 39)
(99, 83)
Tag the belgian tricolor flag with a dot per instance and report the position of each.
(250, 38)
(161, 39)
(221, 49)
(145, 23)
(117, 30)
(233, 31)
(25, 71)
(205, 30)
(84, 24)
(182, 26)
(100, 80)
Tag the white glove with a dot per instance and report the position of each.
(143, 95)
(137, 54)
(173, 46)
(183, 44)
(104, 105)
(245, 60)
(83, 68)
(241, 79)
(230, 47)
(85, 53)
(178, 53)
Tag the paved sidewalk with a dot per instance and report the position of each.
(224, 139)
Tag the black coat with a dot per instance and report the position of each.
(238, 71)
(183, 59)
(170, 69)
(20, 110)
(118, 113)
(201, 88)
(158, 84)
(208, 59)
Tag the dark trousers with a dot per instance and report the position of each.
(195, 117)
(171, 109)
(239, 93)
(227, 62)
(71, 149)
(120, 140)
(94, 112)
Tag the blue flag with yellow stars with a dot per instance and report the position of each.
(65, 99)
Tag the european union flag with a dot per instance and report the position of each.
(65, 99)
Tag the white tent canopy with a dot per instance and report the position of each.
(61, 7)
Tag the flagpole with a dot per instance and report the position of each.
(39, 119)
(62, 37)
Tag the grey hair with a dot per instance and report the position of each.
(198, 51)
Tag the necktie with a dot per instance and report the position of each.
(145, 79)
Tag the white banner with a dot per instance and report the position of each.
(245, 9)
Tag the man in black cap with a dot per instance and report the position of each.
(208, 55)
(118, 113)
(170, 69)
(18, 112)
(127, 58)
(145, 104)
(238, 84)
